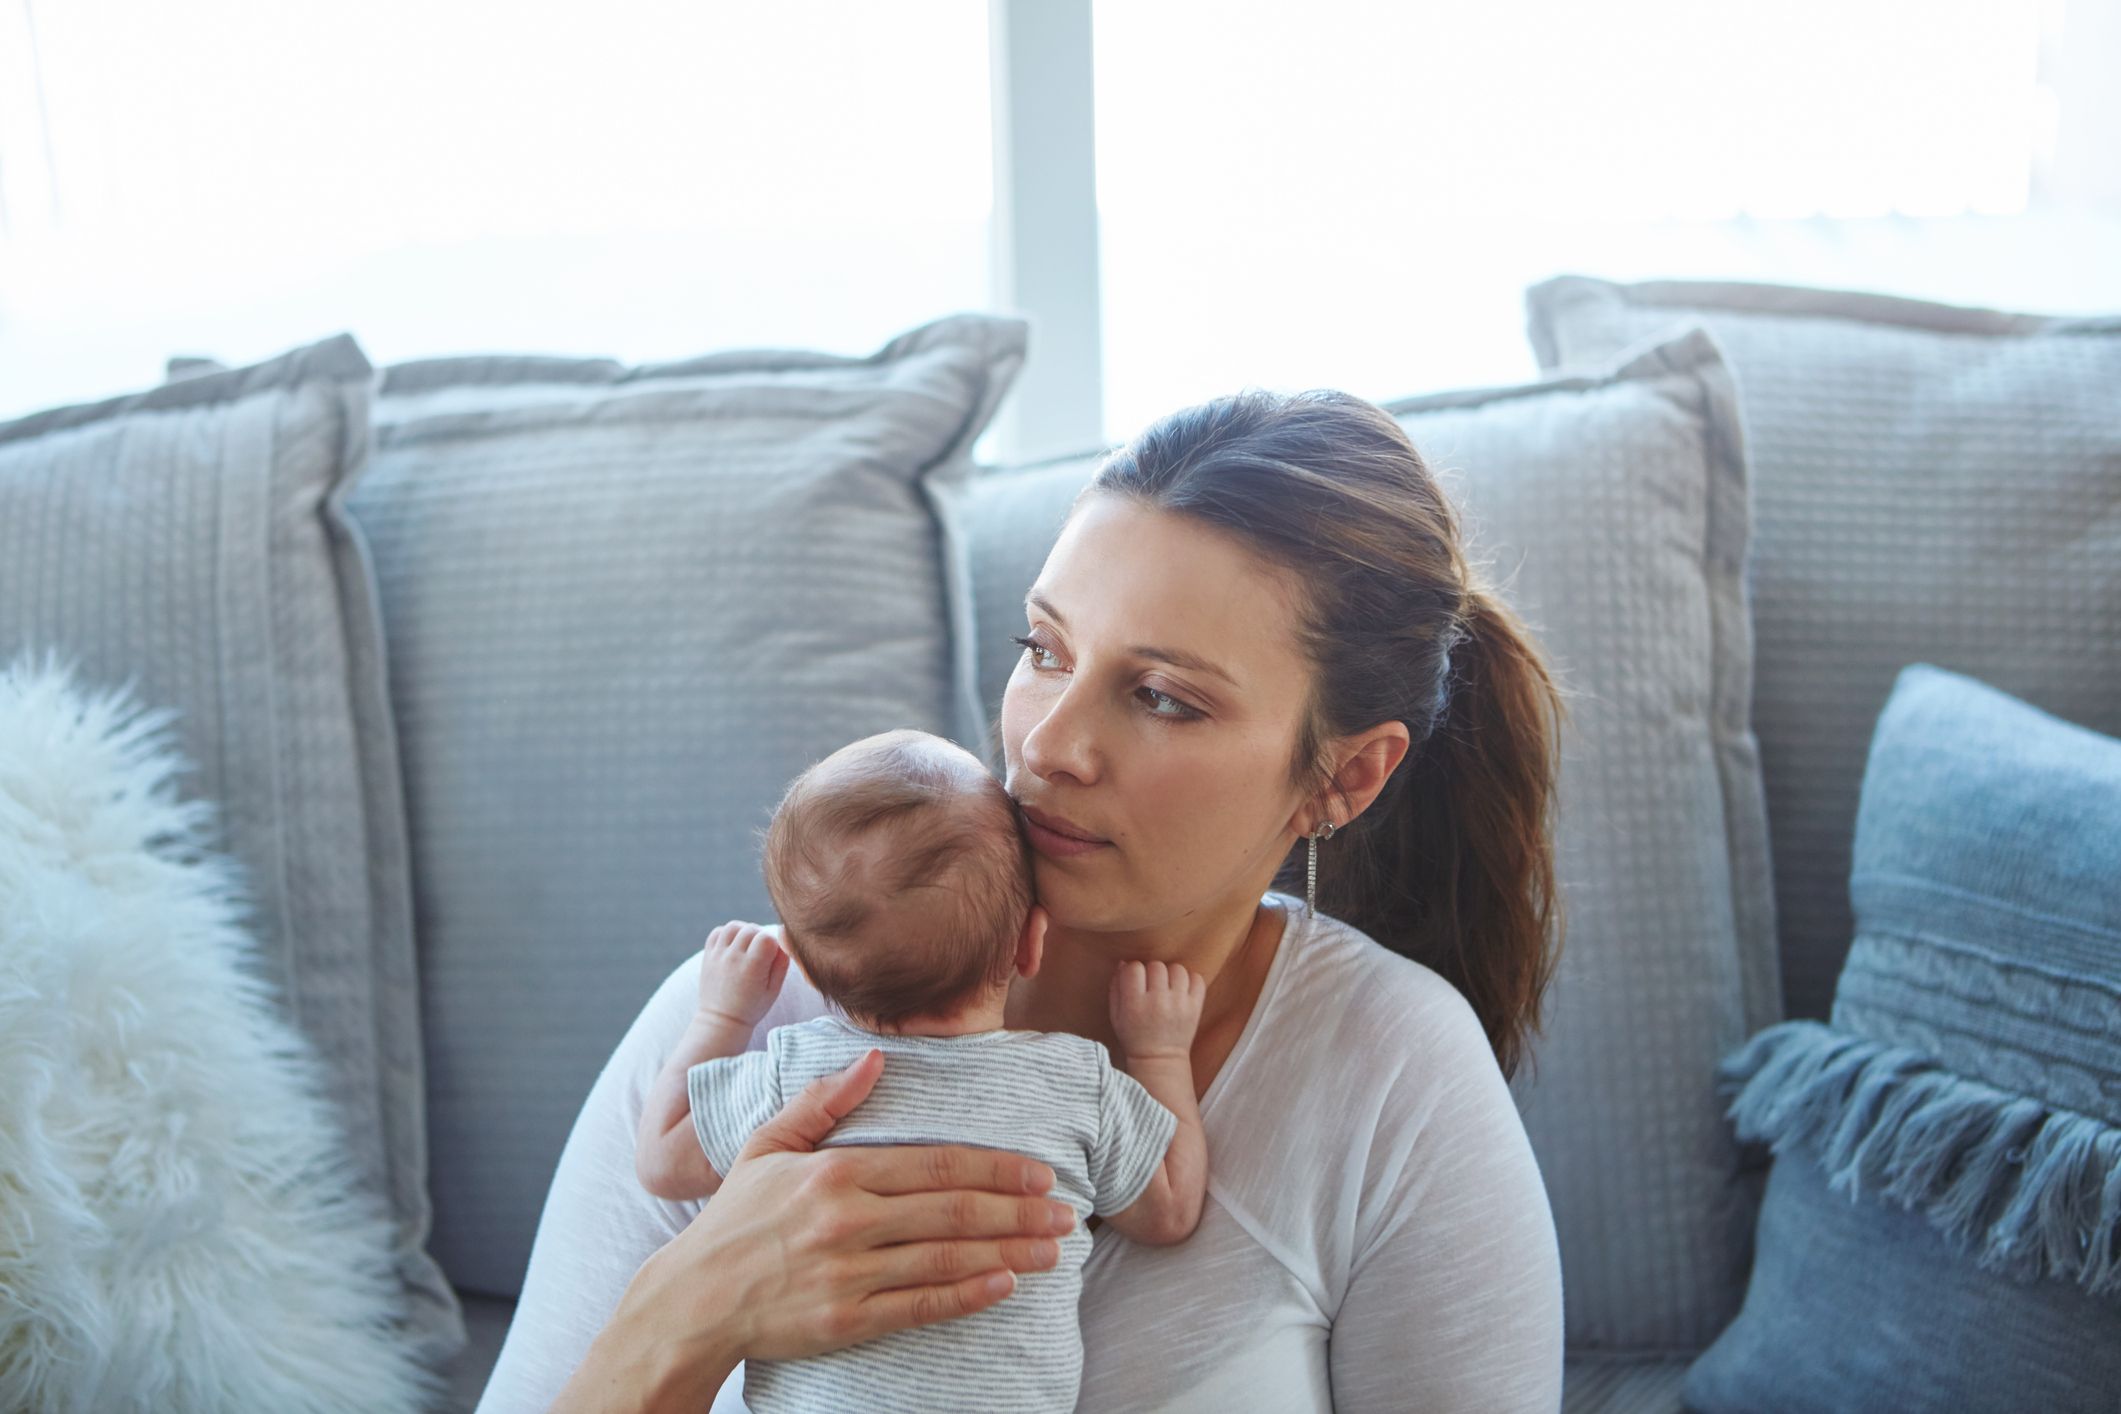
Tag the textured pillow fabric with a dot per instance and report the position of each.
(1942, 1223)
(1929, 484)
(626, 605)
(180, 1228)
(192, 540)
(1615, 503)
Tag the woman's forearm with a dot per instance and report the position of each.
(602, 1386)
(632, 1367)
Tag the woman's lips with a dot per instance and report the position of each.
(1058, 846)
(1048, 840)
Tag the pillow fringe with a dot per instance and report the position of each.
(2031, 1191)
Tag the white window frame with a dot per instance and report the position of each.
(1045, 241)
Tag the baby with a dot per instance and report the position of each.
(904, 891)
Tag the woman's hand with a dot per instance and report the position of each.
(801, 1252)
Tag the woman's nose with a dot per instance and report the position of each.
(1063, 742)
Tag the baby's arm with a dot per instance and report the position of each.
(741, 967)
(1155, 1010)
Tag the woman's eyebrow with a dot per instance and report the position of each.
(1177, 657)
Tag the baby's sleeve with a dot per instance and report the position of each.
(732, 1096)
(1134, 1131)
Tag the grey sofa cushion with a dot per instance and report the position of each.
(486, 1319)
(1615, 505)
(1600, 1385)
(1930, 483)
(625, 606)
(192, 539)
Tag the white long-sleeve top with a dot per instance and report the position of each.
(1376, 1235)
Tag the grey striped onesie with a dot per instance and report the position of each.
(1054, 1096)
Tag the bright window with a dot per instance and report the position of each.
(1356, 192)
(635, 178)
(1348, 193)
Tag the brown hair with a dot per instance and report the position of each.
(1453, 862)
(930, 916)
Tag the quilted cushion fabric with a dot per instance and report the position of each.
(1614, 504)
(192, 539)
(1930, 483)
(1942, 1224)
(1598, 1385)
(625, 606)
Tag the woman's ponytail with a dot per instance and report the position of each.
(1453, 865)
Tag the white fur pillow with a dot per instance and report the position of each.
(179, 1225)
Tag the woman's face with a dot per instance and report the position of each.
(1178, 764)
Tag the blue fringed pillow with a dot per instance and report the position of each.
(1941, 1227)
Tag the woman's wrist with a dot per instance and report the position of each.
(639, 1363)
(686, 1375)
(677, 1377)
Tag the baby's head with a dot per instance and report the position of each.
(901, 878)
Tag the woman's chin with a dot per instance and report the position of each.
(1067, 892)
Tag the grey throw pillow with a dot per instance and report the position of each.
(1942, 1225)
(626, 605)
(1615, 504)
(1930, 483)
(193, 540)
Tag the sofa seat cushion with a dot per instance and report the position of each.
(486, 1321)
(1640, 1385)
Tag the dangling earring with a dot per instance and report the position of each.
(1324, 832)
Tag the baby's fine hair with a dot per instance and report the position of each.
(900, 875)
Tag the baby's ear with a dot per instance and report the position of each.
(795, 963)
(1031, 943)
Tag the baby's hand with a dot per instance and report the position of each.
(741, 967)
(1156, 1008)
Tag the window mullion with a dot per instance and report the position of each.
(1045, 240)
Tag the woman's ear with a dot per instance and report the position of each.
(1031, 943)
(1367, 761)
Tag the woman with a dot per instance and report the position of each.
(1257, 629)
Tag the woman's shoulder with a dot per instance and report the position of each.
(1351, 992)
(1366, 1074)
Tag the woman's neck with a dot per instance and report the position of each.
(1233, 948)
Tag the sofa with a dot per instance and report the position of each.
(496, 664)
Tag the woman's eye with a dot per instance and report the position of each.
(1162, 705)
(1034, 646)
(1183, 712)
